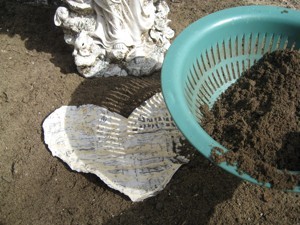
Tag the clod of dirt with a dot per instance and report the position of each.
(258, 120)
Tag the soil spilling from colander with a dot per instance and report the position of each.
(258, 120)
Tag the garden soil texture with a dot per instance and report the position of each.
(257, 118)
(38, 75)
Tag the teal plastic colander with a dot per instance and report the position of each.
(211, 54)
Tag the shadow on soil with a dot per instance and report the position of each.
(34, 25)
(194, 191)
(190, 198)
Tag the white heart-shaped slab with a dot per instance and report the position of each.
(136, 156)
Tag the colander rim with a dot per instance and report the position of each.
(171, 77)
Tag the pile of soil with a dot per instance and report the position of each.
(258, 120)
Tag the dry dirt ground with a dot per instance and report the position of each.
(38, 75)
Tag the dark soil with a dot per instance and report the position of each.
(258, 120)
(38, 75)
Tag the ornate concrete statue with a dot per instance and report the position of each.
(116, 37)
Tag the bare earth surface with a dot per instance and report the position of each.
(38, 75)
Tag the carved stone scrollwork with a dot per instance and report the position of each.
(116, 37)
